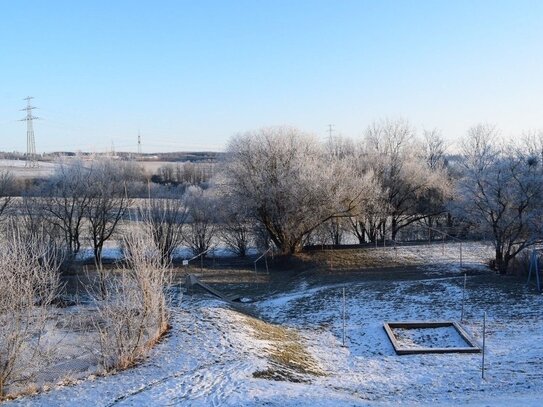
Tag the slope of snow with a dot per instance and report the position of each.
(210, 355)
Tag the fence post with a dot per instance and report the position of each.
(463, 297)
(344, 316)
(484, 343)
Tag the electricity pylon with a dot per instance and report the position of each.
(30, 140)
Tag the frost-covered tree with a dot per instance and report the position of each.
(290, 183)
(165, 218)
(395, 156)
(202, 219)
(372, 207)
(501, 192)
(434, 149)
(109, 199)
(235, 225)
(66, 200)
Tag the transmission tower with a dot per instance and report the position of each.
(139, 144)
(30, 141)
(330, 130)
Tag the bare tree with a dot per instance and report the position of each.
(165, 217)
(108, 202)
(501, 193)
(35, 225)
(66, 200)
(289, 182)
(236, 226)
(434, 149)
(391, 150)
(202, 219)
(29, 282)
(372, 207)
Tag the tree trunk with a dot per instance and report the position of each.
(361, 234)
(502, 262)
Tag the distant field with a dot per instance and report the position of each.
(151, 167)
(46, 168)
(18, 168)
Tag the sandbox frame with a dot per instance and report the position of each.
(389, 326)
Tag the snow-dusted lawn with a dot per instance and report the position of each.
(213, 350)
(368, 366)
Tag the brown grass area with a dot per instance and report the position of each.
(289, 359)
(361, 258)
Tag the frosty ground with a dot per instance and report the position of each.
(286, 349)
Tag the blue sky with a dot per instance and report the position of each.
(189, 75)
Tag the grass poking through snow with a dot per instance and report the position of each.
(288, 358)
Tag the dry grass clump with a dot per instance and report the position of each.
(288, 357)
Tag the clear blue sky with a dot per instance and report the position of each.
(188, 75)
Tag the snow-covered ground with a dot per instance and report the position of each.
(214, 352)
(20, 169)
(421, 338)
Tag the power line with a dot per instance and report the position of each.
(31, 160)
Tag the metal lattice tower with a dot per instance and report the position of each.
(139, 144)
(31, 160)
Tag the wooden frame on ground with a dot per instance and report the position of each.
(389, 326)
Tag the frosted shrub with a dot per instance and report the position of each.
(29, 282)
(133, 314)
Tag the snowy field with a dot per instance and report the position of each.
(216, 355)
(19, 168)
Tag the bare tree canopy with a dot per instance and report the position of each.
(235, 225)
(109, 200)
(406, 176)
(290, 182)
(66, 202)
(501, 192)
(202, 219)
(165, 218)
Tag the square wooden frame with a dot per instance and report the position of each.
(389, 326)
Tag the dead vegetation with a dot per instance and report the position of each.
(361, 258)
(288, 358)
(132, 312)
